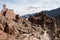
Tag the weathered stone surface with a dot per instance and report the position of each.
(10, 14)
(3, 36)
(37, 27)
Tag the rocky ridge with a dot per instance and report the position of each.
(37, 27)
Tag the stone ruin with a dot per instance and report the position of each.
(37, 27)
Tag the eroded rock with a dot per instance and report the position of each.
(37, 27)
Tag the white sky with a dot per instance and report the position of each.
(23, 7)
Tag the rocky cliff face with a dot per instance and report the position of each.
(37, 27)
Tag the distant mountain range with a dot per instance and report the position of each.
(53, 12)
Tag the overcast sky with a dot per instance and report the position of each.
(23, 7)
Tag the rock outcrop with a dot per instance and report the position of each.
(37, 27)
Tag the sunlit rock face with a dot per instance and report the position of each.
(37, 27)
(10, 14)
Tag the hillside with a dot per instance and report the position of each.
(37, 27)
(58, 19)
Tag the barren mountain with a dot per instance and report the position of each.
(37, 27)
